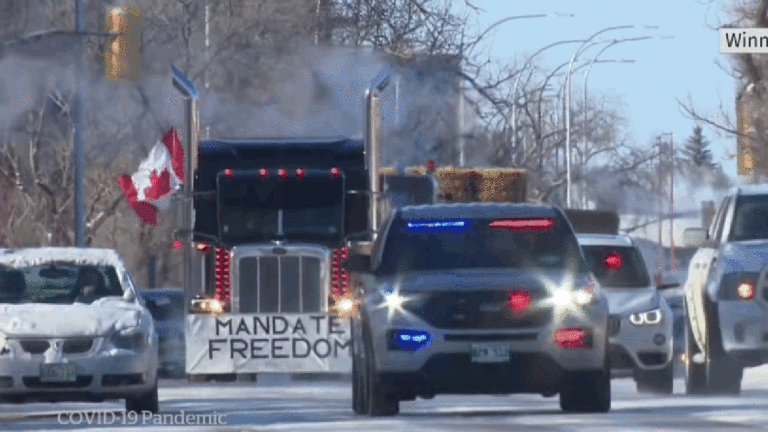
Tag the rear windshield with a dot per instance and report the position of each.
(58, 284)
(425, 245)
(617, 267)
(750, 221)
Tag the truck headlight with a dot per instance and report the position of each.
(202, 305)
(651, 317)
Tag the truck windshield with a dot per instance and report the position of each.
(750, 221)
(251, 209)
(617, 267)
(413, 246)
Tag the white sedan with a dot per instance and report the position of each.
(72, 328)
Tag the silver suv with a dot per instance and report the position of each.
(640, 324)
(479, 299)
(726, 293)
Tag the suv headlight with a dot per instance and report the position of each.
(651, 317)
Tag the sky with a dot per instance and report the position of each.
(664, 69)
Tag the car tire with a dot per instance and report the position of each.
(695, 373)
(380, 399)
(358, 384)
(587, 392)
(657, 381)
(723, 373)
(144, 402)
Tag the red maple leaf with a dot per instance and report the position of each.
(161, 185)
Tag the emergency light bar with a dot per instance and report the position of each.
(423, 226)
(523, 224)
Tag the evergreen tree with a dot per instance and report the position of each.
(696, 150)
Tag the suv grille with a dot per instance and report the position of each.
(476, 310)
(614, 325)
(282, 283)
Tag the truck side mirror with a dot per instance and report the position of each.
(694, 237)
(359, 263)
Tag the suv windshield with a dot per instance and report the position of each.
(617, 267)
(60, 283)
(478, 243)
(750, 221)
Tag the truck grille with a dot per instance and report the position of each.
(280, 283)
(476, 310)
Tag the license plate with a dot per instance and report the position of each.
(66, 372)
(486, 353)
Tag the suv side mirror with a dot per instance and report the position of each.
(359, 263)
(695, 237)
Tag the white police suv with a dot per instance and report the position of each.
(478, 299)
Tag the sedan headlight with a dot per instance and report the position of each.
(651, 317)
(131, 342)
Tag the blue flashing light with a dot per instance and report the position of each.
(454, 225)
(410, 340)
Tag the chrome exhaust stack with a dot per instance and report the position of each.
(192, 116)
(373, 152)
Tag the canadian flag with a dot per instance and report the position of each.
(159, 176)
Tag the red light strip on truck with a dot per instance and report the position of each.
(222, 275)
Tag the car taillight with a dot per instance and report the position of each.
(746, 291)
(300, 173)
(203, 248)
(264, 173)
(222, 275)
(519, 301)
(573, 338)
(523, 224)
(282, 173)
(339, 272)
(738, 286)
(229, 173)
(335, 172)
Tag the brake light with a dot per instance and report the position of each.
(300, 173)
(203, 248)
(746, 291)
(264, 173)
(178, 245)
(613, 261)
(431, 166)
(335, 172)
(573, 338)
(523, 224)
(339, 272)
(222, 275)
(282, 173)
(229, 173)
(519, 301)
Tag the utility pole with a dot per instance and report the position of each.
(79, 131)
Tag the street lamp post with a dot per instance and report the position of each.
(568, 107)
(482, 35)
(514, 91)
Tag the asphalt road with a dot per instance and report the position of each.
(280, 405)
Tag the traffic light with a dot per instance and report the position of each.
(123, 50)
(745, 162)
